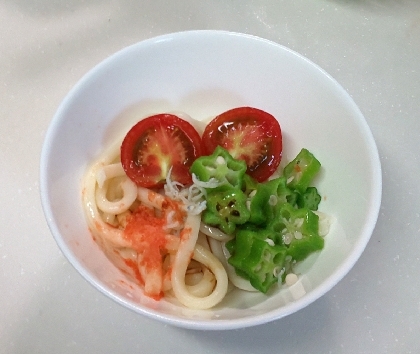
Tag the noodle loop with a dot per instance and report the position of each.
(151, 237)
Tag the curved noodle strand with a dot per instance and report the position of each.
(215, 233)
(187, 250)
(204, 286)
(96, 224)
(150, 198)
(110, 198)
(129, 190)
(108, 172)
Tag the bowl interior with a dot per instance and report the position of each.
(204, 73)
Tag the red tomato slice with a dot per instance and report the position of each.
(248, 134)
(157, 143)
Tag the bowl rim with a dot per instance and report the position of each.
(222, 324)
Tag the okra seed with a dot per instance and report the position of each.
(298, 235)
(290, 179)
(291, 279)
(220, 160)
(235, 213)
(287, 238)
(269, 241)
(272, 200)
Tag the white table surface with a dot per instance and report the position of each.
(371, 47)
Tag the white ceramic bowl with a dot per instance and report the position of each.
(204, 73)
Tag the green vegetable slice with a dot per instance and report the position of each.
(257, 259)
(226, 210)
(300, 172)
(221, 169)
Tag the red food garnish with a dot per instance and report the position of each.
(146, 232)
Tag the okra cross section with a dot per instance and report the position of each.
(301, 170)
(265, 197)
(221, 169)
(258, 259)
(298, 229)
(226, 210)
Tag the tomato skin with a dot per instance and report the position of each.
(249, 134)
(157, 143)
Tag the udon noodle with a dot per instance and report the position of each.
(157, 238)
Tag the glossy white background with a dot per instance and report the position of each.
(371, 47)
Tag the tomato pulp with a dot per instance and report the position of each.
(249, 134)
(155, 145)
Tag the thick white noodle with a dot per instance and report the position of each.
(152, 277)
(102, 211)
(108, 172)
(214, 233)
(204, 286)
(150, 198)
(188, 248)
(96, 224)
(202, 240)
(129, 190)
